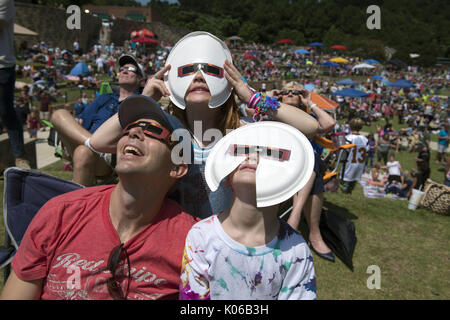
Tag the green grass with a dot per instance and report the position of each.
(410, 247)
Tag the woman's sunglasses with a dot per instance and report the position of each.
(264, 152)
(207, 68)
(118, 254)
(151, 129)
(294, 92)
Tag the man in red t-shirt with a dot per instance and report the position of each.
(121, 241)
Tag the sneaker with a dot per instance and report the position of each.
(23, 163)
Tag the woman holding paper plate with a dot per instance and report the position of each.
(201, 82)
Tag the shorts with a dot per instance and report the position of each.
(44, 115)
(319, 169)
(441, 148)
(347, 186)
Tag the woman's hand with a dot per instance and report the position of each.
(155, 87)
(234, 77)
(305, 97)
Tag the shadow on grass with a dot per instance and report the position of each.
(343, 211)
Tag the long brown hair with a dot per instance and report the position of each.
(229, 114)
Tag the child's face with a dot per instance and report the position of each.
(245, 173)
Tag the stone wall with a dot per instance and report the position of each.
(50, 24)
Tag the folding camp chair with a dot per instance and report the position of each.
(53, 139)
(336, 145)
(25, 192)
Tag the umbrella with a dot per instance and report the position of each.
(373, 61)
(81, 69)
(402, 84)
(347, 82)
(330, 64)
(378, 77)
(339, 234)
(134, 34)
(146, 33)
(302, 51)
(339, 60)
(363, 66)
(323, 102)
(338, 47)
(310, 86)
(350, 92)
(285, 41)
(18, 29)
(145, 40)
(315, 44)
(235, 38)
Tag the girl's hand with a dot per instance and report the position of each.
(155, 87)
(234, 77)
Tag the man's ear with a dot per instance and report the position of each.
(178, 170)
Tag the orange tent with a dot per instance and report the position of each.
(323, 102)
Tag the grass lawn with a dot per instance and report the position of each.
(410, 247)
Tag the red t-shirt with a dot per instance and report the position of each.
(69, 241)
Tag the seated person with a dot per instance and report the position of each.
(401, 189)
(247, 252)
(74, 133)
(124, 241)
(377, 180)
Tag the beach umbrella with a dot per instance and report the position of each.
(146, 33)
(134, 34)
(401, 84)
(315, 44)
(339, 234)
(285, 41)
(80, 69)
(363, 66)
(378, 77)
(302, 51)
(18, 29)
(347, 82)
(338, 47)
(373, 61)
(339, 60)
(322, 102)
(350, 92)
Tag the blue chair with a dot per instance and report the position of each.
(25, 192)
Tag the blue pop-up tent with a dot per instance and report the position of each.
(315, 44)
(81, 69)
(373, 61)
(330, 64)
(350, 92)
(402, 84)
(347, 82)
(378, 77)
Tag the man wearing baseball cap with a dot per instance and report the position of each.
(75, 132)
(127, 239)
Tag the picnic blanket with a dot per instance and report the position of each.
(374, 192)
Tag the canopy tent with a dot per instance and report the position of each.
(18, 29)
(347, 82)
(373, 61)
(339, 60)
(80, 69)
(378, 77)
(285, 41)
(350, 92)
(302, 51)
(330, 64)
(145, 40)
(363, 66)
(323, 102)
(338, 47)
(401, 84)
(315, 44)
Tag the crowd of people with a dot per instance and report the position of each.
(182, 239)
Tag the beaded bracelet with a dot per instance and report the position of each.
(261, 104)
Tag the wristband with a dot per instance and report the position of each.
(88, 144)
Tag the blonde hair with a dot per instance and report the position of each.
(293, 84)
(356, 124)
(229, 115)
